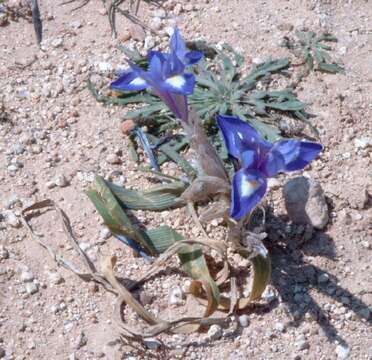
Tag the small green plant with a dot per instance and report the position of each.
(314, 49)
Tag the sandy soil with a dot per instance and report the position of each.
(56, 136)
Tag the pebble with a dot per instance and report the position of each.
(342, 352)
(149, 43)
(61, 181)
(11, 219)
(152, 344)
(81, 341)
(244, 320)
(362, 143)
(323, 278)
(305, 202)
(50, 184)
(55, 278)
(269, 294)
(176, 296)
(364, 313)
(160, 13)
(104, 233)
(215, 332)
(104, 67)
(4, 253)
(27, 276)
(31, 288)
(302, 344)
(56, 43)
(113, 159)
(2, 352)
(280, 327)
(273, 183)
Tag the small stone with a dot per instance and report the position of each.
(137, 32)
(178, 9)
(342, 352)
(104, 233)
(2, 353)
(104, 67)
(75, 24)
(4, 253)
(113, 159)
(31, 288)
(61, 181)
(146, 298)
(257, 61)
(125, 36)
(56, 43)
(81, 341)
(149, 43)
(305, 202)
(50, 184)
(285, 27)
(269, 294)
(176, 296)
(189, 7)
(280, 327)
(152, 344)
(55, 278)
(27, 276)
(127, 126)
(244, 320)
(160, 13)
(323, 278)
(85, 246)
(364, 313)
(302, 344)
(273, 183)
(363, 143)
(11, 219)
(215, 332)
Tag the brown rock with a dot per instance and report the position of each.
(127, 126)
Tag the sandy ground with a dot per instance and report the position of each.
(56, 136)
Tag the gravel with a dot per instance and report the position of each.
(215, 332)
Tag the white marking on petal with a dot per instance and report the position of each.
(177, 81)
(249, 187)
(240, 135)
(138, 82)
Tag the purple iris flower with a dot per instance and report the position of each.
(258, 160)
(166, 76)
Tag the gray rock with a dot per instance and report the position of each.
(176, 296)
(244, 320)
(215, 332)
(27, 276)
(342, 352)
(61, 181)
(302, 344)
(364, 313)
(56, 43)
(55, 278)
(152, 344)
(104, 233)
(11, 219)
(323, 278)
(31, 288)
(113, 159)
(4, 253)
(81, 341)
(305, 202)
(280, 327)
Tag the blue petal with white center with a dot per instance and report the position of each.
(259, 160)
(129, 81)
(249, 187)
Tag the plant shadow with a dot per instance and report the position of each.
(295, 278)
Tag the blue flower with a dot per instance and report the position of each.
(258, 160)
(165, 75)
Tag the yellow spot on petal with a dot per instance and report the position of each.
(138, 81)
(249, 187)
(176, 81)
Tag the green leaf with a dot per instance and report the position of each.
(114, 216)
(159, 198)
(331, 68)
(291, 105)
(262, 275)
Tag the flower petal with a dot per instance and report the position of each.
(177, 44)
(290, 155)
(239, 137)
(180, 84)
(249, 187)
(129, 81)
(193, 57)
